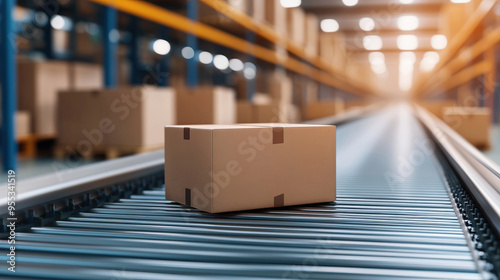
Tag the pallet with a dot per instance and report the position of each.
(27, 144)
(62, 151)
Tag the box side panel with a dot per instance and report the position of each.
(224, 106)
(188, 165)
(50, 78)
(26, 90)
(158, 111)
(195, 106)
(251, 172)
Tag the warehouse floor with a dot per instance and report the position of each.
(29, 168)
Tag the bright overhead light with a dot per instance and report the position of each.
(407, 42)
(187, 52)
(405, 1)
(57, 22)
(376, 58)
(407, 23)
(460, 1)
(406, 65)
(329, 25)
(161, 47)
(236, 64)
(205, 57)
(366, 24)
(372, 42)
(429, 61)
(432, 57)
(250, 71)
(221, 62)
(379, 68)
(350, 3)
(290, 3)
(439, 42)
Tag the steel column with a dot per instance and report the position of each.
(192, 42)
(110, 40)
(135, 63)
(8, 79)
(250, 83)
(164, 67)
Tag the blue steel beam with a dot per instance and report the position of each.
(164, 67)
(135, 63)
(250, 83)
(110, 41)
(8, 80)
(192, 42)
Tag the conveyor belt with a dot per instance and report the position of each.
(393, 220)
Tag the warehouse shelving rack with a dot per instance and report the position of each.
(297, 62)
(466, 59)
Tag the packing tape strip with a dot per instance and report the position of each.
(187, 133)
(187, 198)
(278, 135)
(279, 200)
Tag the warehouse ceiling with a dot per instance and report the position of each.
(385, 15)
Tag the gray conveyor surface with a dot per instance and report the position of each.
(393, 220)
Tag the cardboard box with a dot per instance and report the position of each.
(312, 35)
(22, 119)
(86, 76)
(259, 113)
(281, 88)
(206, 105)
(296, 22)
(38, 84)
(437, 107)
(473, 123)
(322, 109)
(126, 118)
(224, 168)
(332, 49)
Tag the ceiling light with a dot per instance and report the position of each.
(290, 3)
(372, 42)
(161, 47)
(329, 25)
(407, 42)
(379, 68)
(366, 24)
(221, 62)
(460, 1)
(405, 1)
(439, 42)
(187, 52)
(376, 58)
(250, 71)
(407, 23)
(350, 3)
(57, 22)
(205, 57)
(406, 64)
(429, 61)
(236, 64)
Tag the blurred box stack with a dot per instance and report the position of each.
(115, 121)
(473, 123)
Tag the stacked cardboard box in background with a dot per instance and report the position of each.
(206, 105)
(332, 49)
(271, 13)
(296, 19)
(322, 109)
(436, 107)
(39, 82)
(128, 118)
(473, 123)
(312, 35)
